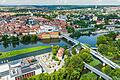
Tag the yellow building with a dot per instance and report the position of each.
(49, 35)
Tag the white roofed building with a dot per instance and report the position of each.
(47, 28)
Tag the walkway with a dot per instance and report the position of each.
(106, 77)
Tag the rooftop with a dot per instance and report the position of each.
(20, 67)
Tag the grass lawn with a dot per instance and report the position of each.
(94, 63)
(22, 51)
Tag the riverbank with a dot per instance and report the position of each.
(21, 51)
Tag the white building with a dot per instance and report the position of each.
(47, 28)
(112, 27)
(19, 69)
(4, 72)
(62, 17)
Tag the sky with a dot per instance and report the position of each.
(59, 2)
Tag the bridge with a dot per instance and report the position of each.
(100, 57)
(93, 52)
(106, 77)
(70, 39)
(94, 48)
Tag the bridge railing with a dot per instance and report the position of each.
(106, 77)
(93, 52)
(101, 57)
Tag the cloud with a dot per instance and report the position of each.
(58, 2)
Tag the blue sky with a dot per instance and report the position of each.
(59, 2)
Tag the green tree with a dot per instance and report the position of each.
(66, 52)
(88, 76)
(5, 38)
(101, 40)
(25, 79)
(26, 39)
(81, 23)
(55, 49)
(106, 69)
(74, 66)
(101, 26)
(34, 38)
(74, 51)
(74, 62)
(86, 56)
(70, 29)
(76, 34)
(112, 35)
(103, 48)
(117, 44)
(115, 72)
(14, 39)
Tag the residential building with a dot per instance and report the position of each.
(62, 17)
(60, 53)
(54, 34)
(44, 36)
(49, 35)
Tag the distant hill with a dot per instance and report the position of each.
(59, 7)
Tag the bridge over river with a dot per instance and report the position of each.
(93, 52)
(106, 77)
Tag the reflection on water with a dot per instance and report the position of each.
(89, 39)
(20, 45)
(50, 40)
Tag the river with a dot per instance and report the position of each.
(48, 42)
(89, 39)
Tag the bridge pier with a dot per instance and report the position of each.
(100, 77)
(68, 40)
(77, 50)
(103, 64)
(84, 67)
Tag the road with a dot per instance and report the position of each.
(106, 77)
(93, 52)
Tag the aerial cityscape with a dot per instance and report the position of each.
(59, 42)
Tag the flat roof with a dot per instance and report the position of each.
(21, 70)
(4, 67)
(30, 68)
(5, 73)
